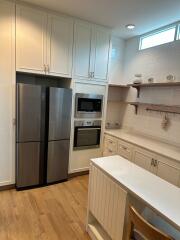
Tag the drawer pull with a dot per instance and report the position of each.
(154, 162)
(125, 148)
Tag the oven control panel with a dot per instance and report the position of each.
(87, 123)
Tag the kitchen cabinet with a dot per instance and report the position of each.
(82, 50)
(116, 61)
(164, 167)
(110, 146)
(161, 166)
(60, 46)
(91, 52)
(144, 159)
(125, 150)
(168, 171)
(101, 53)
(31, 40)
(48, 47)
(7, 93)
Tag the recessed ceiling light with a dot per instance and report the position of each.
(130, 26)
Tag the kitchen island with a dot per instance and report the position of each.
(115, 183)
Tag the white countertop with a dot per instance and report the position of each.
(162, 196)
(164, 149)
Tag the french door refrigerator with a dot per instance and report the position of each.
(42, 134)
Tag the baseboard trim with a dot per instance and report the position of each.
(7, 187)
(76, 174)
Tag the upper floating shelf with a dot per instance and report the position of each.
(164, 84)
(120, 86)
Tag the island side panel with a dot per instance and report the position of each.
(106, 204)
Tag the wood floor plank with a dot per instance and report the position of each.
(56, 212)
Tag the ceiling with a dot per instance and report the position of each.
(147, 15)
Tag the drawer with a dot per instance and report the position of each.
(108, 152)
(125, 149)
(110, 146)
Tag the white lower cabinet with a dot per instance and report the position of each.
(125, 149)
(110, 146)
(144, 159)
(168, 171)
(166, 168)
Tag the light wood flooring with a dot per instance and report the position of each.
(56, 212)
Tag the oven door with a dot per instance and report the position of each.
(87, 137)
(88, 106)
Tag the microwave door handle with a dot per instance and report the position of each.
(85, 129)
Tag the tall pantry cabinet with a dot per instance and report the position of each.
(44, 42)
(7, 92)
(91, 51)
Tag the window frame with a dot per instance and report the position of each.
(178, 32)
(164, 29)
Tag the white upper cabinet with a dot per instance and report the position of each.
(60, 45)
(82, 49)
(44, 42)
(116, 61)
(101, 53)
(91, 52)
(30, 39)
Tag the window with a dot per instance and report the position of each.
(178, 33)
(158, 38)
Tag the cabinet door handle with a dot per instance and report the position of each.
(45, 68)
(155, 163)
(125, 148)
(48, 68)
(152, 162)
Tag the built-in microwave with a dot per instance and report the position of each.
(87, 134)
(88, 105)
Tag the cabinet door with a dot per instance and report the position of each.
(144, 159)
(30, 39)
(60, 45)
(82, 49)
(101, 42)
(168, 173)
(7, 92)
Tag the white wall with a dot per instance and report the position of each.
(7, 93)
(157, 62)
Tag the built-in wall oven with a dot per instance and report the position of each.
(88, 105)
(87, 134)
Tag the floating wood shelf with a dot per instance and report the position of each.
(164, 84)
(120, 86)
(174, 109)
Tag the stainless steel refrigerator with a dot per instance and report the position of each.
(42, 134)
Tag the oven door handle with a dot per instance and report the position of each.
(85, 129)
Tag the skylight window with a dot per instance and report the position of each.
(158, 38)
